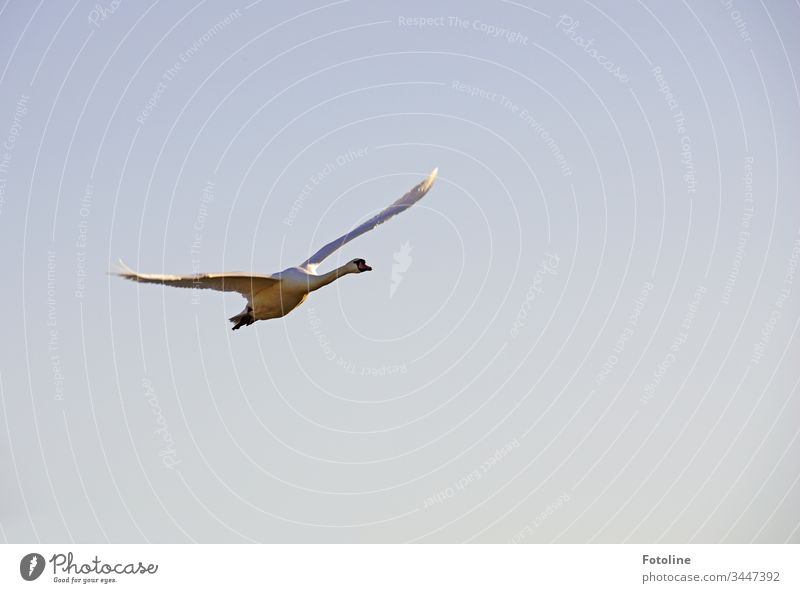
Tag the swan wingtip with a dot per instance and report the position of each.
(426, 185)
(122, 268)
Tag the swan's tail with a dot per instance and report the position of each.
(243, 318)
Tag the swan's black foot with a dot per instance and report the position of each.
(245, 318)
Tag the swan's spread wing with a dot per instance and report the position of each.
(245, 284)
(412, 197)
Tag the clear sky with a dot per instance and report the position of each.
(586, 332)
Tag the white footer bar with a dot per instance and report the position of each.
(401, 568)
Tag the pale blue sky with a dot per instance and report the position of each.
(592, 337)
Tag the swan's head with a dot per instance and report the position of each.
(360, 265)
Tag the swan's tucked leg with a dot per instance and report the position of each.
(243, 318)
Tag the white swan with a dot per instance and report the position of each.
(274, 296)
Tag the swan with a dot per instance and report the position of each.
(276, 295)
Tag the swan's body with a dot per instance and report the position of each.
(277, 295)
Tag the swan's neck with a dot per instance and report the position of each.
(325, 279)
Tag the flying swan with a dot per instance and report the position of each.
(269, 297)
